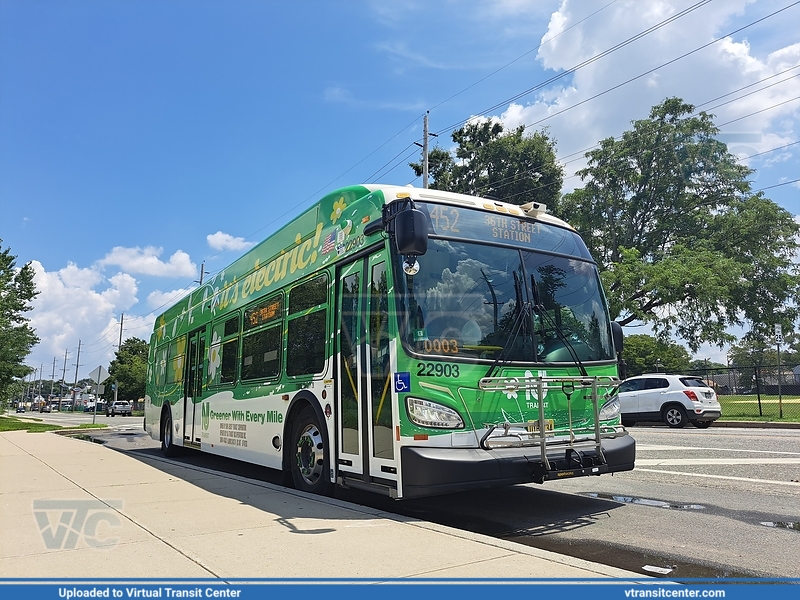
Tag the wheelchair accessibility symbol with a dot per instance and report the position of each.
(402, 382)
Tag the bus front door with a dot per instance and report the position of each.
(366, 415)
(193, 387)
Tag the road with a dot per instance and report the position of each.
(719, 502)
(700, 503)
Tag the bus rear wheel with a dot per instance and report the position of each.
(168, 447)
(310, 460)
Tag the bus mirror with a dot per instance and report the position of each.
(616, 332)
(411, 232)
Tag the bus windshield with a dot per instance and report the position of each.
(479, 301)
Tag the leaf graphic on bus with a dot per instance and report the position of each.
(507, 417)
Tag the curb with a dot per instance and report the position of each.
(758, 424)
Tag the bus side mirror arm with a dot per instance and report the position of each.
(374, 227)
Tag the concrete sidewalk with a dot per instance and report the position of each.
(126, 516)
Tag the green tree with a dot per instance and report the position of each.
(709, 366)
(681, 240)
(17, 290)
(647, 354)
(509, 166)
(128, 370)
(754, 351)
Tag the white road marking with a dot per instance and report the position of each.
(656, 448)
(791, 483)
(652, 462)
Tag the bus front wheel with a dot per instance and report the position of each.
(310, 459)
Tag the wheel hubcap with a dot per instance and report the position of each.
(309, 454)
(674, 417)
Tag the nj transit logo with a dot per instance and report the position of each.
(63, 523)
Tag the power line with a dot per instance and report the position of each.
(760, 111)
(585, 63)
(539, 86)
(769, 187)
(664, 145)
(581, 153)
(520, 57)
(661, 66)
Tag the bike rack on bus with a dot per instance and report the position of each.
(533, 434)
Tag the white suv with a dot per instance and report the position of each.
(674, 399)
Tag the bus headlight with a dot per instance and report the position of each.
(431, 414)
(610, 410)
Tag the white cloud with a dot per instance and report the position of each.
(719, 69)
(70, 308)
(160, 301)
(225, 241)
(146, 262)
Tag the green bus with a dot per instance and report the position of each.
(399, 340)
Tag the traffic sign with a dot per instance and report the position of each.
(99, 375)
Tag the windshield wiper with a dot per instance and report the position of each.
(524, 313)
(541, 310)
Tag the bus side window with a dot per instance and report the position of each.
(223, 353)
(261, 342)
(307, 329)
(161, 366)
(177, 350)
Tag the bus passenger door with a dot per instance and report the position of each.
(383, 417)
(350, 329)
(366, 415)
(193, 387)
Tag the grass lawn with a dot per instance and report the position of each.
(36, 426)
(746, 408)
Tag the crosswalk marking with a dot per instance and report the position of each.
(748, 479)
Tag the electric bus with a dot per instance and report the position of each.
(399, 340)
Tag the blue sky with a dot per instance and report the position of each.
(140, 139)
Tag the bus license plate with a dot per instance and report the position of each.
(533, 426)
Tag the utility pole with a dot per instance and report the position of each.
(39, 393)
(203, 272)
(119, 346)
(77, 366)
(52, 381)
(778, 336)
(63, 381)
(425, 151)
(424, 146)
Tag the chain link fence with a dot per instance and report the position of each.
(762, 391)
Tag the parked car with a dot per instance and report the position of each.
(20, 408)
(674, 399)
(44, 408)
(120, 407)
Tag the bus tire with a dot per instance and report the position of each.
(309, 461)
(168, 447)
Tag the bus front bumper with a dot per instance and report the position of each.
(429, 471)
